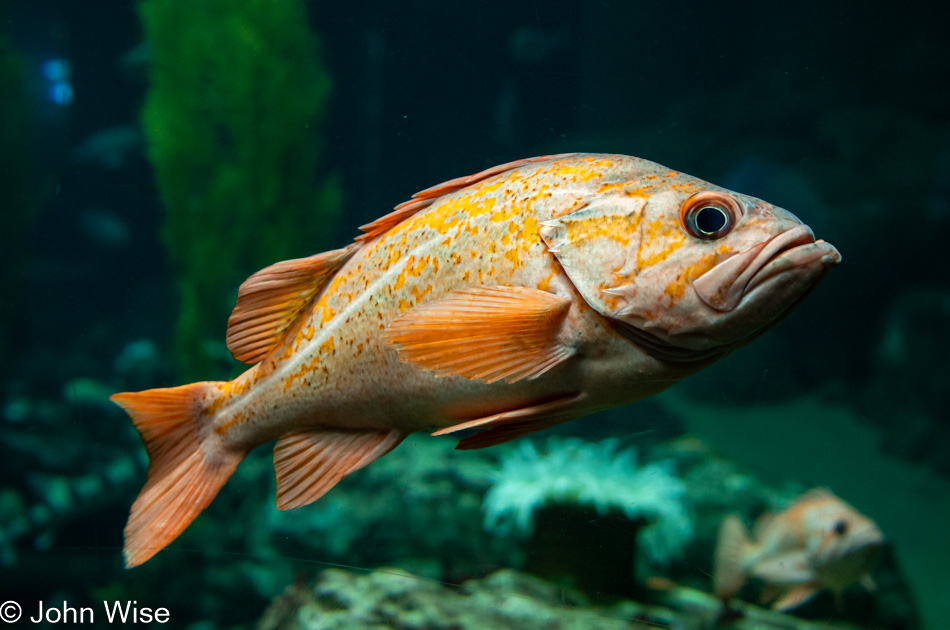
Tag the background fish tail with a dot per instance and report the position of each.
(728, 573)
(185, 471)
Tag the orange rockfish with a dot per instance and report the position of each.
(819, 542)
(512, 300)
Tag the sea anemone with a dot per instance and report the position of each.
(593, 475)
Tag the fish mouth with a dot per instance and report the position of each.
(724, 286)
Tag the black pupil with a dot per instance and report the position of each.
(841, 527)
(710, 219)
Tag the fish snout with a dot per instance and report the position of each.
(800, 254)
(793, 250)
(843, 562)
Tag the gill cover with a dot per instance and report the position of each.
(634, 260)
(594, 245)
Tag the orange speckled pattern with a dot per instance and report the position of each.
(603, 231)
(508, 301)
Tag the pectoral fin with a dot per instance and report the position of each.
(487, 333)
(786, 568)
(508, 425)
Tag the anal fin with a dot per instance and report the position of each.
(309, 463)
(487, 333)
(509, 425)
(795, 597)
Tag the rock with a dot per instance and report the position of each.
(393, 599)
(389, 598)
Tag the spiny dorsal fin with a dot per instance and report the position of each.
(309, 463)
(424, 198)
(817, 494)
(487, 333)
(271, 300)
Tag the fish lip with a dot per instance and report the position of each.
(724, 286)
(796, 256)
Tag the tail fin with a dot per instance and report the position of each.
(731, 549)
(185, 471)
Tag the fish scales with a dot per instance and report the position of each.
(428, 255)
(528, 295)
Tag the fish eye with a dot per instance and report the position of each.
(840, 528)
(710, 215)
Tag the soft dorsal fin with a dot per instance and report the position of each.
(424, 198)
(271, 300)
(487, 333)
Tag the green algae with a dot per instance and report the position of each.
(233, 120)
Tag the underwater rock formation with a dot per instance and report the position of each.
(389, 598)
(506, 599)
